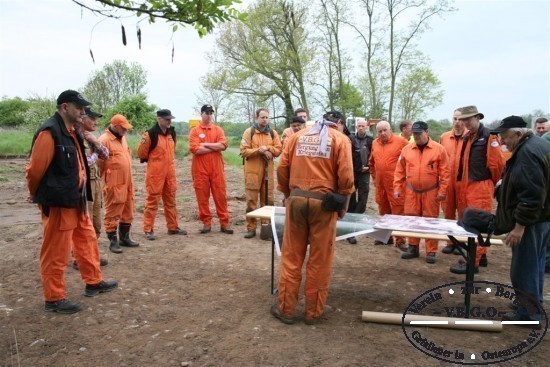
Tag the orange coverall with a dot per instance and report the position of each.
(479, 194)
(207, 171)
(420, 176)
(160, 180)
(118, 184)
(382, 161)
(287, 133)
(63, 227)
(254, 170)
(453, 147)
(306, 222)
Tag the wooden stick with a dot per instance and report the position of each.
(438, 322)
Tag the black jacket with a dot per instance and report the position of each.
(362, 147)
(59, 186)
(523, 196)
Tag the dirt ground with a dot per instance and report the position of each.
(203, 300)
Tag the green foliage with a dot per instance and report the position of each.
(12, 111)
(232, 159)
(136, 109)
(15, 142)
(202, 14)
(234, 129)
(351, 100)
(106, 87)
(41, 109)
(436, 128)
(418, 91)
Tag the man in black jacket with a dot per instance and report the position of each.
(523, 212)
(58, 178)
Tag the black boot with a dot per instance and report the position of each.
(113, 245)
(124, 232)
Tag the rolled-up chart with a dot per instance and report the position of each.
(432, 321)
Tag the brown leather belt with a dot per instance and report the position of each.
(435, 186)
(307, 194)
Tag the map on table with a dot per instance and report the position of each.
(422, 225)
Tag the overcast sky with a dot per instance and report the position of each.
(495, 54)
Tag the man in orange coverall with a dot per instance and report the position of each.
(422, 177)
(158, 148)
(315, 162)
(259, 145)
(206, 143)
(386, 149)
(452, 142)
(480, 167)
(58, 181)
(118, 185)
(296, 124)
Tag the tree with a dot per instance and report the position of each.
(12, 112)
(41, 108)
(418, 90)
(202, 14)
(136, 109)
(106, 87)
(402, 42)
(268, 55)
(215, 90)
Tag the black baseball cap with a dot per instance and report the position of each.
(165, 114)
(72, 96)
(91, 113)
(419, 126)
(509, 123)
(206, 108)
(298, 119)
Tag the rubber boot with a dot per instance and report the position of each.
(124, 233)
(113, 243)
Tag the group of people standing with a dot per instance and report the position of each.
(414, 178)
(71, 174)
(324, 171)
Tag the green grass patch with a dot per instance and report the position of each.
(232, 159)
(15, 142)
(4, 179)
(185, 199)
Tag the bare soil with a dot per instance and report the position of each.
(203, 299)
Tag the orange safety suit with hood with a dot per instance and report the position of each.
(480, 167)
(453, 147)
(382, 162)
(420, 176)
(160, 176)
(58, 181)
(314, 170)
(255, 167)
(118, 184)
(208, 173)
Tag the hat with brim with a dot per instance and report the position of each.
(72, 96)
(298, 119)
(119, 120)
(469, 111)
(91, 113)
(509, 122)
(419, 127)
(165, 114)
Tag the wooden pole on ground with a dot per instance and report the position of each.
(432, 321)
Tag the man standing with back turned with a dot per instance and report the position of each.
(315, 162)
(58, 181)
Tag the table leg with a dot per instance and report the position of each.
(273, 266)
(471, 262)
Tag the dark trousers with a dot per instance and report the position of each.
(527, 268)
(358, 200)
